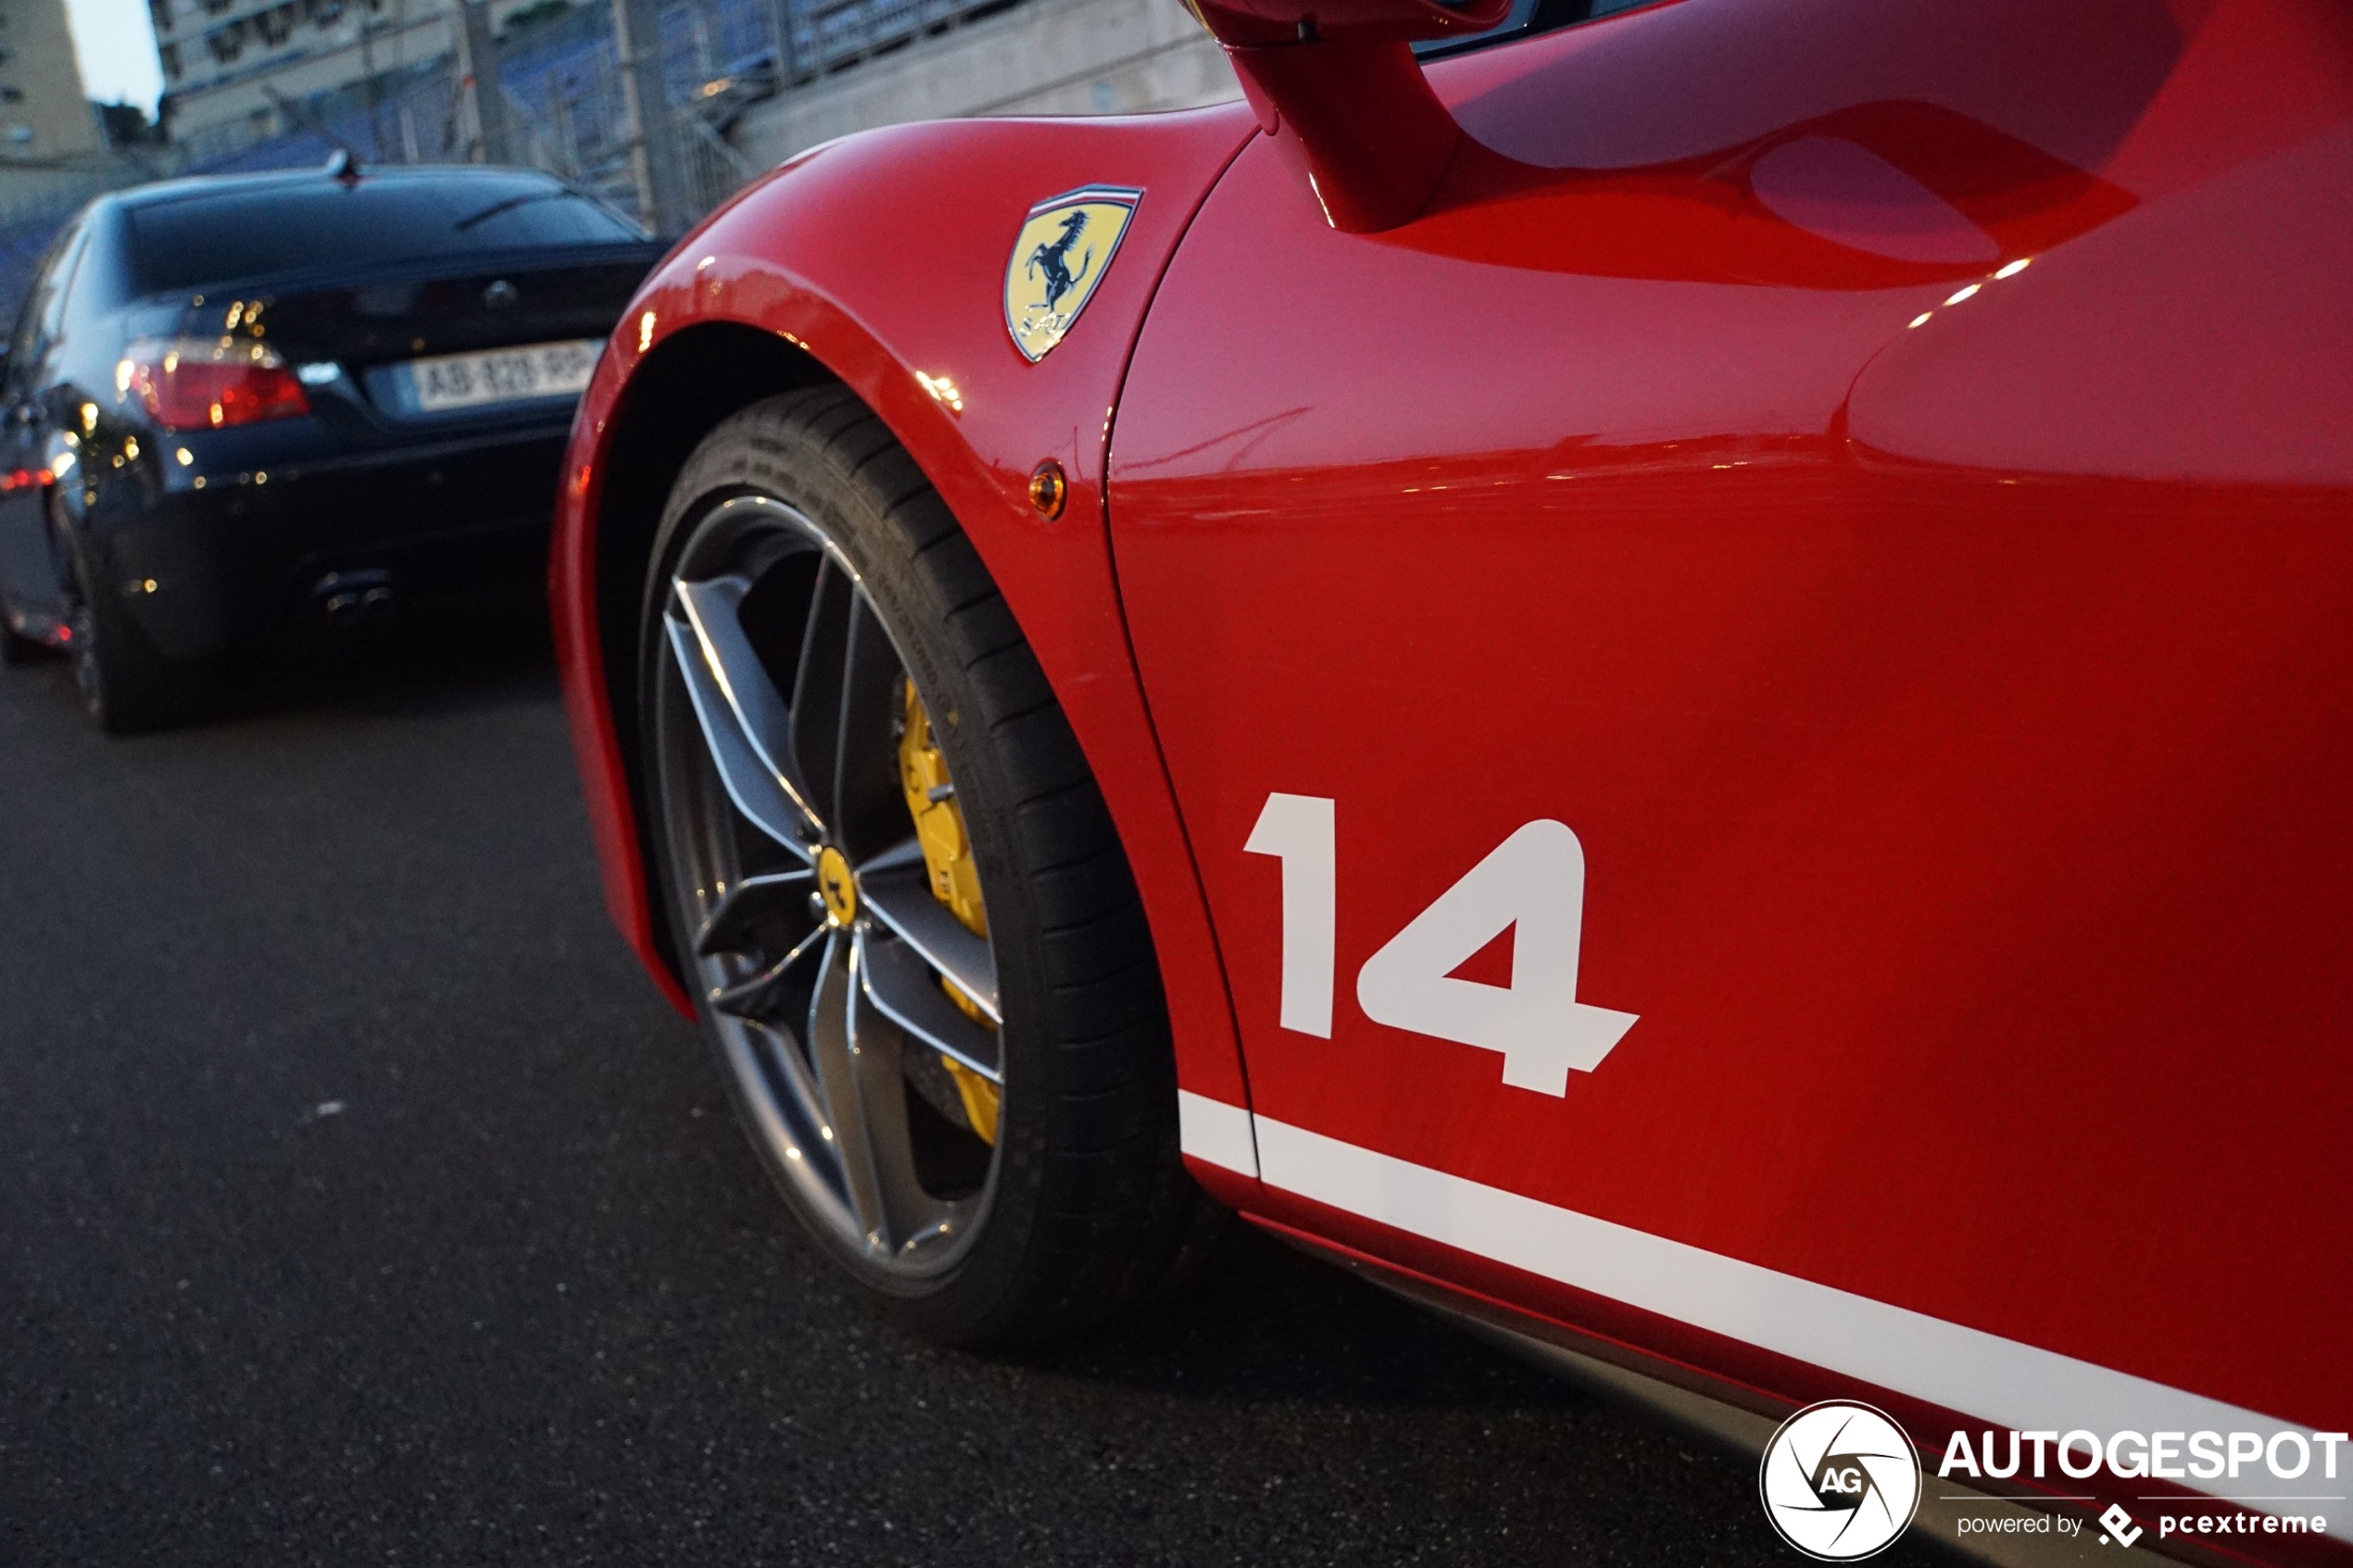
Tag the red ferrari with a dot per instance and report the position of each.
(1678, 682)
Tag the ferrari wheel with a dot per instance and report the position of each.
(897, 894)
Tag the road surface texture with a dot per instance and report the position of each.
(361, 1202)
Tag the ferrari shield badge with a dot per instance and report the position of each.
(1064, 249)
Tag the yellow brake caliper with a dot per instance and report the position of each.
(956, 882)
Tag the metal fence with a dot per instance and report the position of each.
(564, 99)
(561, 83)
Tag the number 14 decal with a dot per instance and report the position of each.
(1534, 879)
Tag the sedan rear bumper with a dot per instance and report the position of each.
(208, 564)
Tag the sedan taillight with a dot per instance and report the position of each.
(201, 383)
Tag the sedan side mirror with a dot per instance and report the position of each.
(1341, 77)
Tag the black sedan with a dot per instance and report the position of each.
(238, 406)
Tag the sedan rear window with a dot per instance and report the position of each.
(209, 238)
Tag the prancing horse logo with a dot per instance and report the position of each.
(1046, 285)
(1054, 260)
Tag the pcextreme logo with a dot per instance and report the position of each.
(1840, 1481)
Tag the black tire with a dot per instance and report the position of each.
(1088, 1208)
(126, 686)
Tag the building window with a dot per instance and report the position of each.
(11, 94)
(172, 67)
(226, 43)
(160, 13)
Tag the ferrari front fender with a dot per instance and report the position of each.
(882, 261)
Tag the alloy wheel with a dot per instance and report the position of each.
(827, 899)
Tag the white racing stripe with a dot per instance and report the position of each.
(2004, 1381)
(1220, 1133)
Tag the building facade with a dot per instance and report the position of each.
(44, 113)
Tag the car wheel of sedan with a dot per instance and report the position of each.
(896, 893)
(126, 686)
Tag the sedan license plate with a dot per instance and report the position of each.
(503, 375)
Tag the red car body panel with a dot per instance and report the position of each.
(1941, 664)
(883, 256)
(1952, 714)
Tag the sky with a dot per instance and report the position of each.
(117, 47)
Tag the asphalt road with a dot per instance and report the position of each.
(360, 1202)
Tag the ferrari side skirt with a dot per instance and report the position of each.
(1945, 1365)
(1715, 1422)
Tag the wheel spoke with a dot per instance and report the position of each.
(816, 692)
(899, 894)
(728, 927)
(838, 1076)
(877, 1051)
(901, 987)
(908, 851)
(869, 807)
(765, 998)
(743, 720)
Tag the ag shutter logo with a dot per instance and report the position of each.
(1840, 1481)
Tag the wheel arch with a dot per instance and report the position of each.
(677, 394)
(879, 263)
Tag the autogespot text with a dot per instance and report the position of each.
(2242, 1456)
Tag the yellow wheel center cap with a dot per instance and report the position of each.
(836, 886)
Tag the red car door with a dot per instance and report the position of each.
(1761, 694)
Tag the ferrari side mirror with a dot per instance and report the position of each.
(1339, 76)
